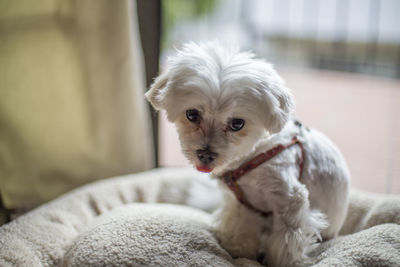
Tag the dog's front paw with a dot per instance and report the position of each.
(238, 249)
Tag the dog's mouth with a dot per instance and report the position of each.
(204, 168)
(205, 159)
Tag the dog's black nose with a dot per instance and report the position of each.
(206, 156)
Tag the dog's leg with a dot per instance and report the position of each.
(295, 229)
(238, 229)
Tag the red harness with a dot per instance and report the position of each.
(231, 177)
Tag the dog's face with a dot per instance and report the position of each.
(221, 102)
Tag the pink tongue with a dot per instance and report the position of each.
(204, 168)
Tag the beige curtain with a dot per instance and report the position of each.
(71, 97)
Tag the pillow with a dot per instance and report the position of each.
(150, 235)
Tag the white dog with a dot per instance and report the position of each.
(286, 185)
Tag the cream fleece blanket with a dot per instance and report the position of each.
(120, 222)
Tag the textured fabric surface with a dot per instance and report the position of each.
(41, 237)
(71, 99)
(103, 224)
(367, 210)
(149, 235)
(375, 246)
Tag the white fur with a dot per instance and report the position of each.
(223, 84)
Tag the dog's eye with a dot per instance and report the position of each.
(193, 115)
(236, 124)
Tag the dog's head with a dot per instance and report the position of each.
(221, 101)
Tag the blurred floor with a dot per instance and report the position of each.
(361, 114)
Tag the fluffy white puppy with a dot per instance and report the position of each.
(286, 185)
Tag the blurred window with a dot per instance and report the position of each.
(356, 36)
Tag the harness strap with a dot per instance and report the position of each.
(230, 178)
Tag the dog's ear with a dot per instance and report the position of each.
(275, 102)
(279, 107)
(155, 94)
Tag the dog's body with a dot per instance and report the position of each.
(228, 108)
(295, 199)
